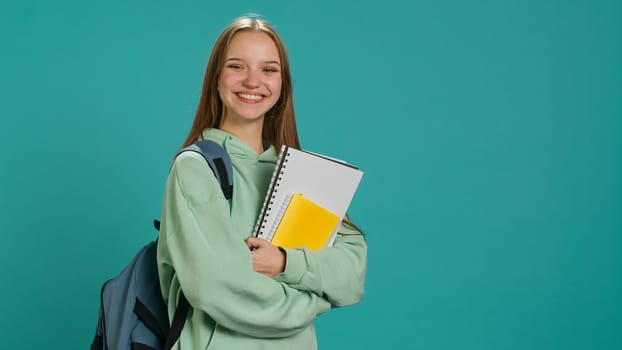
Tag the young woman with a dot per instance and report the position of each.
(246, 293)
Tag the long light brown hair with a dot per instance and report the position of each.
(279, 126)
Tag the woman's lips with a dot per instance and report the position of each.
(249, 97)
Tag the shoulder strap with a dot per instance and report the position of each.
(220, 163)
(218, 160)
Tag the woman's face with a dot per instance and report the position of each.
(250, 81)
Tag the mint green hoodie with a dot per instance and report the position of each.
(201, 250)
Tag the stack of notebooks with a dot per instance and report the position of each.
(307, 198)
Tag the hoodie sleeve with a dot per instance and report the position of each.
(336, 273)
(199, 253)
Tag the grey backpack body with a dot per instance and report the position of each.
(132, 313)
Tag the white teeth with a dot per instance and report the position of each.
(250, 97)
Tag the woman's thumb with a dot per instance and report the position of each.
(254, 242)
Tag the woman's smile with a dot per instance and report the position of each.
(249, 97)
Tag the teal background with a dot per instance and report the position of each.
(490, 133)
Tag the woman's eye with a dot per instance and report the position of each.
(270, 70)
(235, 66)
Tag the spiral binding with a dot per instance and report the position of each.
(277, 176)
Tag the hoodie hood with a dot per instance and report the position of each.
(238, 148)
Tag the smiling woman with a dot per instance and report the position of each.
(249, 85)
(245, 292)
(249, 51)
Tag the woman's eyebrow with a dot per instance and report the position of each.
(265, 62)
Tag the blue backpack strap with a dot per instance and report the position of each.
(220, 163)
(218, 160)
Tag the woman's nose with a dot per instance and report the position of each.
(252, 79)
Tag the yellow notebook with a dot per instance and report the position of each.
(327, 182)
(305, 224)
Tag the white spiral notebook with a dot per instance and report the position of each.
(328, 182)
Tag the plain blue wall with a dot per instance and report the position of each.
(490, 133)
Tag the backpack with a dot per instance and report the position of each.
(132, 312)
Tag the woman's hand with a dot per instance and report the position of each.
(268, 259)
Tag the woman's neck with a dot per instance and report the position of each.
(250, 133)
